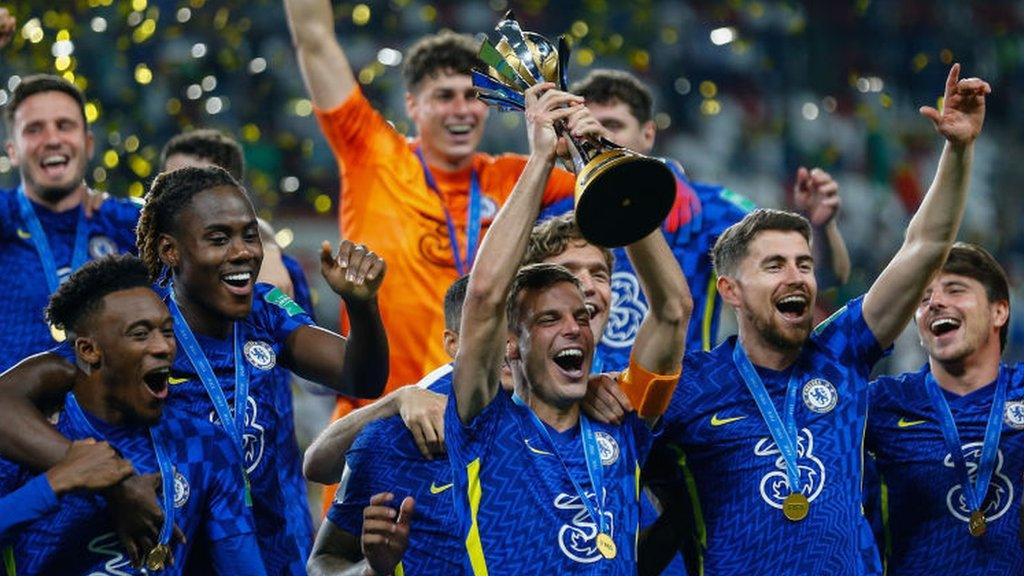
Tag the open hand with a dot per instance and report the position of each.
(816, 195)
(385, 537)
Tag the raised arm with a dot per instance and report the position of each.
(483, 332)
(325, 69)
(816, 195)
(661, 338)
(890, 302)
(357, 366)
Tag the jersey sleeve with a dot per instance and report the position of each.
(727, 208)
(367, 472)
(237, 556)
(227, 515)
(279, 313)
(680, 409)
(33, 500)
(466, 442)
(303, 296)
(125, 217)
(847, 335)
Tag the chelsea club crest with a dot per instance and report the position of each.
(820, 396)
(608, 448)
(1013, 415)
(260, 354)
(181, 490)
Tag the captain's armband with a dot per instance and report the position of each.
(649, 393)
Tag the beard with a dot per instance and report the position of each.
(54, 194)
(778, 338)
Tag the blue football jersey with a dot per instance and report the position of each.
(926, 531)
(519, 512)
(23, 327)
(299, 521)
(273, 318)
(738, 473)
(384, 458)
(79, 539)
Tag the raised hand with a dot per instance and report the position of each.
(963, 109)
(816, 195)
(355, 273)
(385, 538)
(423, 414)
(545, 108)
(88, 465)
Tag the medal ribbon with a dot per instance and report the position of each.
(39, 240)
(592, 455)
(75, 413)
(201, 364)
(473, 223)
(783, 432)
(974, 493)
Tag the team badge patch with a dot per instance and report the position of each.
(820, 396)
(1013, 415)
(260, 354)
(181, 490)
(608, 448)
(100, 246)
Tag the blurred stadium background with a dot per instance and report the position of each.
(747, 91)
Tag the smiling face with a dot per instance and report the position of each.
(956, 320)
(448, 117)
(774, 289)
(554, 345)
(50, 145)
(134, 335)
(588, 264)
(216, 254)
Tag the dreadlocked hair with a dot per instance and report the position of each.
(170, 193)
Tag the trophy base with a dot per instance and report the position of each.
(622, 196)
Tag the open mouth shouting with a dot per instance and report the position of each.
(156, 381)
(54, 165)
(944, 325)
(793, 307)
(570, 362)
(239, 283)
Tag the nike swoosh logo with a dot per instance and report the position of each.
(172, 380)
(23, 235)
(716, 421)
(535, 450)
(904, 423)
(435, 489)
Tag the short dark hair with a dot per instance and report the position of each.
(37, 84)
(975, 262)
(170, 193)
(531, 278)
(454, 297)
(604, 86)
(553, 236)
(80, 298)
(731, 247)
(444, 52)
(208, 144)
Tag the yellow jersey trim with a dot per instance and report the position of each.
(474, 547)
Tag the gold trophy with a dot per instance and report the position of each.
(621, 195)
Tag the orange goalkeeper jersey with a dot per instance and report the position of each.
(387, 205)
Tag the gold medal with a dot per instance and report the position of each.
(977, 524)
(57, 334)
(158, 557)
(606, 546)
(796, 506)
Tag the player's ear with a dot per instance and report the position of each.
(88, 351)
(512, 348)
(729, 289)
(451, 342)
(1000, 313)
(167, 250)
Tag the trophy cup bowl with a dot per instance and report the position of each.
(621, 196)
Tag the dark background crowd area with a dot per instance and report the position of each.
(746, 92)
